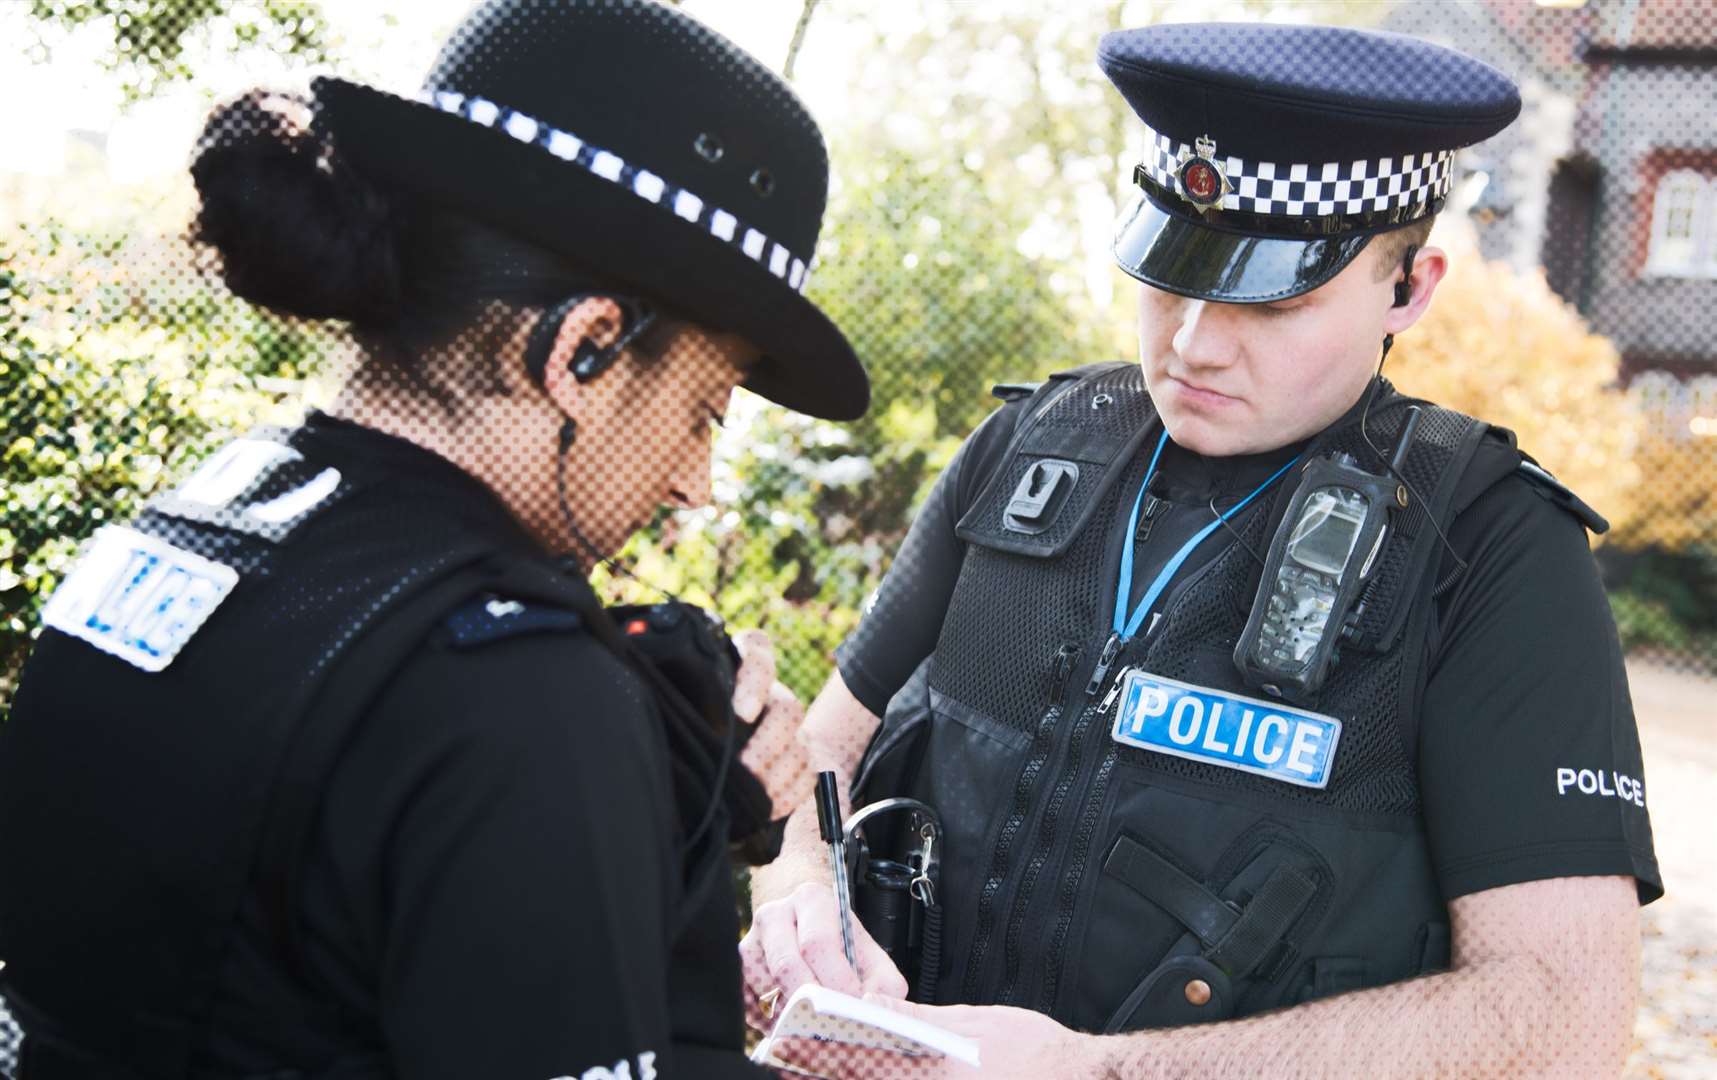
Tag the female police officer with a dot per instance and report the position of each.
(325, 766)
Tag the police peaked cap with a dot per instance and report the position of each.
(1274, 153)
(640, 144)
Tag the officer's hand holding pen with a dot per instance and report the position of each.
(797, 940)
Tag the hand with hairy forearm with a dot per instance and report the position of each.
(834, 734)
(1544, 982)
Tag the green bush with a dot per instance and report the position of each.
(113, 380)
(1644, 623)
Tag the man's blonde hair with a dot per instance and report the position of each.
(1391, 247)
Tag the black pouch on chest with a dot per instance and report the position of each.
(1067, 454)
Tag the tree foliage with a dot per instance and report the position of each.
(976, 171)
(150, 36)
(1501, 346)
(926, 264)
(114, 378)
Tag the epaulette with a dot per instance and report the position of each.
(1540, 481)
(1014, 391)
(489, 618)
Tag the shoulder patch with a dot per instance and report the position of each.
(259, 485)
(489, 618)
(1014, 391)
(1099, 367)
(1540, 480)
(137, 597)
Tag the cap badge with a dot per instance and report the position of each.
(1202, 181)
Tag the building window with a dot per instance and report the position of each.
(1684, 226)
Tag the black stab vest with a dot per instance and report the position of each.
(1116, 888)
(136, 808)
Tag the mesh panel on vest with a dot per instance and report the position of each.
(997, 647)
(1373, 772)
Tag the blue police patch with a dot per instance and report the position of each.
(1218, 728)
(137, 597)
(492, 618)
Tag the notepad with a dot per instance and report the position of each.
(816, 1012)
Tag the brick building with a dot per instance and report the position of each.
(1609, 179)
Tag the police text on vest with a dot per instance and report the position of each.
(1219, 728)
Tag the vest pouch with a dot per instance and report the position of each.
(1326, 976)
(1063, 460)
(890, 763)
(922, 731)
(1184, 989)
(1245, 932)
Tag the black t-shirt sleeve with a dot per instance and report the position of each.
(1529, 758)
(901, 623)
(505, 822)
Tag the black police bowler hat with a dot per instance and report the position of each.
(635, 141)
(1275, 153)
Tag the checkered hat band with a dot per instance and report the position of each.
(1305, 190)
(695, 210)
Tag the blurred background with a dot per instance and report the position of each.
(979, 159)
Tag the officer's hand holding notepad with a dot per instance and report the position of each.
(824, 1015)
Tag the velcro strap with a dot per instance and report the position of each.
(1166, 885)
(1264, 922)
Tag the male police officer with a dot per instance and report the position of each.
(1236, 679)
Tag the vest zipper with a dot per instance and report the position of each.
(1061, 669)
(1147, 517)
(1072, 874)
(983, 985)
(1114, 690)
(1065, 658)
(1091, 804)
(1047, 825)
(1111, 648)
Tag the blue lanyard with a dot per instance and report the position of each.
(1126, 627)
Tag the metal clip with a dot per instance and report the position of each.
(921, 887)
(1114, 691)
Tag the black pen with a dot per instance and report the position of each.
(829, 824)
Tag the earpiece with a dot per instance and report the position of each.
(589, 359)
(541, 342)
(1404, 287)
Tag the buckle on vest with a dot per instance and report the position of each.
(1039, 495)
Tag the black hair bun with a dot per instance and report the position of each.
(297, 231)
